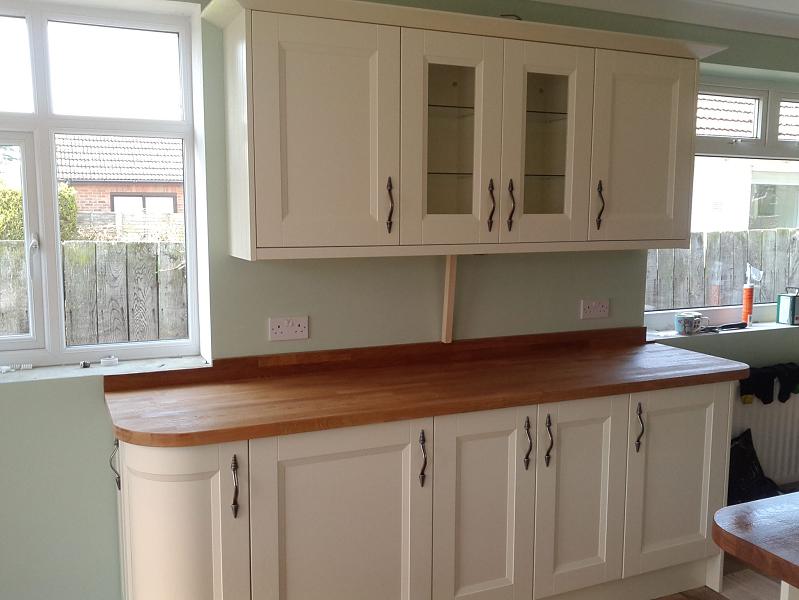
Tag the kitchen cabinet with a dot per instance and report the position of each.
(180, 537)
(643, 142)
(484, 486)
(325, 111)
(344, 513)
(676, 474)
(546, 142)
(486, 481)
(373, 130)
(579, 505)
(451, 137)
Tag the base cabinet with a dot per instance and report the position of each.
(509, 504)
(343, 513)
(484, 481)
(579, 506)
(180, 537)
(676, 475)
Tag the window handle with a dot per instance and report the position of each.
(33, 246)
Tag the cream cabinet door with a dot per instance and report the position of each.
(644, 121)
(546, 142)
(180, 538)
(451, 137)
(676, 475)
(579, 508)
(325, 108)
(482, 505)
(343, 513)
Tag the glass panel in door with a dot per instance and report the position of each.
(450, 139)
(546, 134)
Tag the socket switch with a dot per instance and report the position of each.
(288, 328)
(595, 309)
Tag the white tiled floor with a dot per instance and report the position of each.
(748, 585)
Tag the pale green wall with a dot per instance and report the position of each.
(57, 501)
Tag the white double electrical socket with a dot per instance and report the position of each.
(595, 309)
(287, 328)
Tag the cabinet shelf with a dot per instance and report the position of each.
(548, 112)
(450, 173)
(544, 175)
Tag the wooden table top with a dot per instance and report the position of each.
(342, 395)
(764, 534)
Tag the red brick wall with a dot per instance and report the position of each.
(96, 197)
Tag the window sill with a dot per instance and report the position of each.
(125, 367)
(659, 336)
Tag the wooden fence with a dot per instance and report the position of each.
(113, 291)
(712, 271)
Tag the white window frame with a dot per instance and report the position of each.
(42, 126)
(766, 146)
(716, 144)
(30, 212)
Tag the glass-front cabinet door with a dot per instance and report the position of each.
(546, 142)
(451, 138)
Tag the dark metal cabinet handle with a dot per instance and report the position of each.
(390, 218)
(493, 204)
(529, 443)
(548, 455)
(117, 477)
(600, 189)
(234, 467)
(422, 442)
(512, 205)
(639, 411)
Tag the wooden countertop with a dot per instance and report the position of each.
(764, 534)
(313, 391)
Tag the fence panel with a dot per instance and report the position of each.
(173, 323)
(80, 293)
(112, 292)
(715, 268)
(14, 318)
(143, 291)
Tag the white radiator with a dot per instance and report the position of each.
(775, 431)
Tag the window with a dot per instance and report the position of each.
(745, 206)
(16, 74)
(725, 116)
(100, 259)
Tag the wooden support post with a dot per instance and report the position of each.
(450, 271)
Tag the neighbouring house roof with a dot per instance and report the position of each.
(118, 158)
(726, 116)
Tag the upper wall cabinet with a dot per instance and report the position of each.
(546, 142)
(359, 129)
(642, 167)
(325, 104)
(451, 137)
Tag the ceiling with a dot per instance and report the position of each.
(772, 17)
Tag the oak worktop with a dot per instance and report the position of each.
(347, 388)
(764, 534)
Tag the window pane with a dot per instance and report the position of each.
(159, 204)
(14, 292)
(15, 67)
(727, 116)
(114, 72)
(744, 211)
(124, 267)
(789, 121)
(127, 204)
